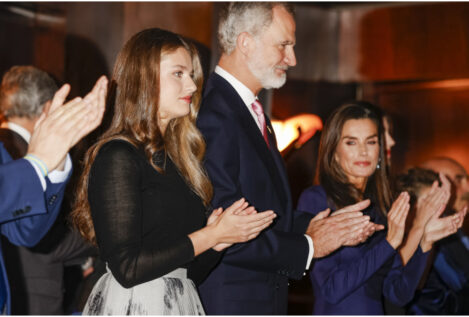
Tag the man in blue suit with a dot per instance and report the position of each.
(38, 272)
(29, 200)
(242, 160)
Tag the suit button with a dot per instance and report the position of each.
(277, 286)
(52, 199)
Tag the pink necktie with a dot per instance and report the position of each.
(257, 107)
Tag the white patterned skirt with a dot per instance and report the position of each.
(171, 294)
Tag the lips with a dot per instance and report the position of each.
(281, 69)
(187, 99)
(362, 163)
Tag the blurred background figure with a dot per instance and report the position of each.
(459, 179)
(37, 273)
(446, 287)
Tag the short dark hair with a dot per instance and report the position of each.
(331, 176)
(415, 180)
(25, 90)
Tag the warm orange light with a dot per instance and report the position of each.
(287, 130)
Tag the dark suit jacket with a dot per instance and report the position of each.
(446, 288)
(37, 273)
(251, 277)
(26, 211)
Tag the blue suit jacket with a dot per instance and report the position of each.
(353, 280)
(251, 277)
(26, 211)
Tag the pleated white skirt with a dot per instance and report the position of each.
(172, 294)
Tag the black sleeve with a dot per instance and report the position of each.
(202, 265)
(115, 202)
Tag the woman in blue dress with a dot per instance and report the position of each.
(356, 279)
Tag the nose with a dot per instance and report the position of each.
(190, 86)
(363, 150)
(391, 140)
(290, 58)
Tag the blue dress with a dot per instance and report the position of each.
(354, 280)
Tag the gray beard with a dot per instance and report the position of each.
(267, 78)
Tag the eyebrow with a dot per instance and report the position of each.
(354, 138)
(179, 66)
(461, 176)
(288, 42)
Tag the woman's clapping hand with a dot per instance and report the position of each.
(238, 223)
(396, 220)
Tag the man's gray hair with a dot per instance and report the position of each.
(239, 17)
(24, 91)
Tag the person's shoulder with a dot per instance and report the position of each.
(218, 94)
(117, 149)
(313, 199)
(316, 191)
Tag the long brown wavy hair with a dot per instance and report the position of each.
(134, 96)
(331, 176)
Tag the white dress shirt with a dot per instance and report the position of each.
(248, 98)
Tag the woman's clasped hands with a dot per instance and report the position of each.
(237, 223)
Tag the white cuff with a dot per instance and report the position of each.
(310, 252)
(61, 176)
(39, 175)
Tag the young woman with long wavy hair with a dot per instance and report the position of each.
(144, 196)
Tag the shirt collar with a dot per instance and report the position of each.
(244, 92)
(20, 130)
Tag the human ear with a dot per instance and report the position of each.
(244, 43)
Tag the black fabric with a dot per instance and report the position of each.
(14, 143)
(142, 218)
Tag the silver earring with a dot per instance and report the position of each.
(378, 166)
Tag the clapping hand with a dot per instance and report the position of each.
(238, 223)
(61, 125)
(396, 220)
(343, 227)
(438, 228)
(433, 202)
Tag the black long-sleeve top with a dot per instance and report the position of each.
(142, 218)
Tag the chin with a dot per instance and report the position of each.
(364, 173)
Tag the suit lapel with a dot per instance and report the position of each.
(255, 136)
(278, 157)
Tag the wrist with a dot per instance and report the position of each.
(425, 244)
(211, 235)
(202, 240)
(36, 160)
(417, 230)
(393, 242)
(420, 221)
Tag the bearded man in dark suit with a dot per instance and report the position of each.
(242, 160)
